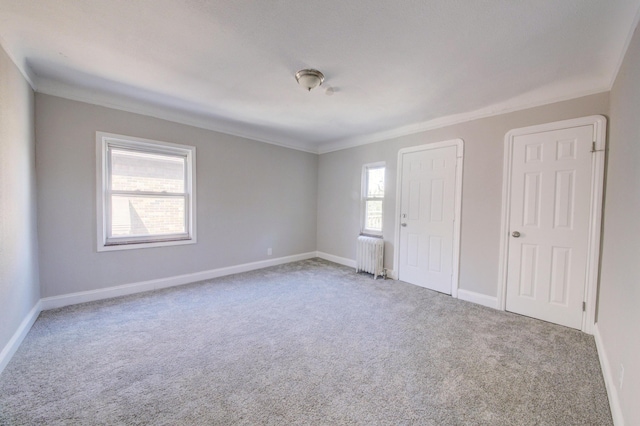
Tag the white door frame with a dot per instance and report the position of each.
(459, 144)
(599, 123)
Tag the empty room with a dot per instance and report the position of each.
(304, 212)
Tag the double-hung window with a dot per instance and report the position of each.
(146, 193)
(372, 198)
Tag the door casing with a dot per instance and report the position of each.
(599, 124)
(459, 144)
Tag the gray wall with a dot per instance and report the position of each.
(250, 196)
(619, 307)
(339, 187)
(19, 286)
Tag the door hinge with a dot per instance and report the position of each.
(584, 306)
(593, 147)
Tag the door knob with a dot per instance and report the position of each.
(515, 234)
(403, 224)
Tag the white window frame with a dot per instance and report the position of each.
(364, 198)
(103, 142)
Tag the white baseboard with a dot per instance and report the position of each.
(479, 298)
(122, 290)
(337, 259)
(609, 381)
(391, 274)
(12, 346)
(127, 289)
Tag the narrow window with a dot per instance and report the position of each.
(372, 198)
(146, 193)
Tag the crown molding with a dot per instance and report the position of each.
(166, 113)
(437, 123)
(121, 103)
(22, 66)
(623, 53)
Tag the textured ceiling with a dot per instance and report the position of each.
(395, 66)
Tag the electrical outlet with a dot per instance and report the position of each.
(269, 251)
(621, 376)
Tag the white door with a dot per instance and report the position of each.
(549, 224)
(427, 212)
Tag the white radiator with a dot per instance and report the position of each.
(370, 256)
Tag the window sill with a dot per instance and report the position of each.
(132, 246)
(371, 234)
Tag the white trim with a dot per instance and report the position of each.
(450, 120)
(364, 188)
(595, 224)
(188, 118)
(14, 343)
(609, 381)
(162, 112)
(595, 218)
(391, 274)
(102, 170)
(139, 287)
(478, 298)
(459, 144)
(23, 67)
(54, 302)
(337, 259)
(623, 53)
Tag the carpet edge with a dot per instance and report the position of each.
(609, 382)
(54, 302)
(14, 343)
(478, 298)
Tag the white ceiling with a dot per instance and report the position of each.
(396, 66)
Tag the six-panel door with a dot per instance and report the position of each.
(427, 216)
(549, 224)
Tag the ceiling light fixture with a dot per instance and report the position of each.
(309, 78)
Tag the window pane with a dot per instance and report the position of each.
(375, 182)
(373, 215)
(140, 171)
(147, 215)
